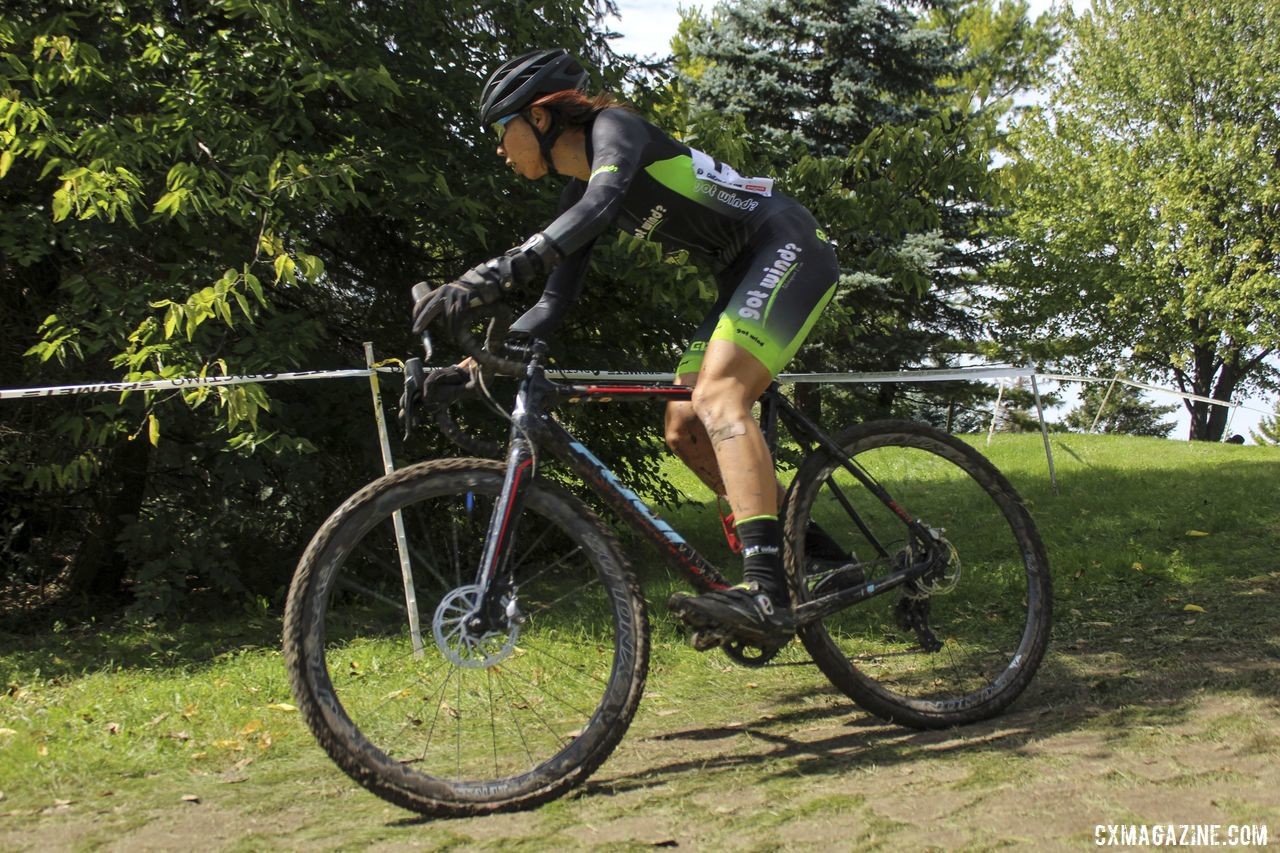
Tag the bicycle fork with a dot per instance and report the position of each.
(493, 577)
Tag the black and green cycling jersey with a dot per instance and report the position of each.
(774, 267)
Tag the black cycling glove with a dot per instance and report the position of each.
(485, 284)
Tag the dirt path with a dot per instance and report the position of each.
(785, 763)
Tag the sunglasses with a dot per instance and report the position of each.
(500, 126)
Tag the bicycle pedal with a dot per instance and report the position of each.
(705, 640)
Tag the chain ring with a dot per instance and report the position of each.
(448, 626)
(741, 653)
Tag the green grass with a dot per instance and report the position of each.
(1160, 693)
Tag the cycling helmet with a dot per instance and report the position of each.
(521, 81)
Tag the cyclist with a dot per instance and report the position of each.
(774, 267)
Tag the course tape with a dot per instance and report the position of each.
(951, 375)
(183, 383)
(1058, 377)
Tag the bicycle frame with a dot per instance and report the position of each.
(534, 432)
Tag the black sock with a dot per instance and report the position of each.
(762, 555)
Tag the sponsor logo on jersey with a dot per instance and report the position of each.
(652, 221)
(727, 197)
(707, 169)
(774, 275)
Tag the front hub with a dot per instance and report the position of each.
(468, 639)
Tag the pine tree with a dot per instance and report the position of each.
(1125, 412)
(1268, 431)
(883, 125)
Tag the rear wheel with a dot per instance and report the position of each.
(956, 649)
(499, 720)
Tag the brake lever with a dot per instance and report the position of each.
(411, 397)
(421, 291)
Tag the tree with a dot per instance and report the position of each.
(1147, 227)
(236, 186)
(1125, 412)
(884, 125)
(1268, 431)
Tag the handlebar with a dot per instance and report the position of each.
(462, 335)
(483, 353)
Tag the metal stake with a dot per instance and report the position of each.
(402, 545)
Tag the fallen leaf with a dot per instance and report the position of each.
(667, 712)
(190, 798)
(1197, 533)
(1137, 567)
(113, 728)
(282, 706)
(42, 750)
(8, 731)
(1193, 608)
(751, 685)
(251, 727)
(191, 710)
(178, 736)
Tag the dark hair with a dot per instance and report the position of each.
(575, 109)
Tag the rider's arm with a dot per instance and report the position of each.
(563, 286)
(617, 144)
(587, 209)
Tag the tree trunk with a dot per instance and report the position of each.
(886, 394)
(1208, 421)
(100, 567)
(809, 400)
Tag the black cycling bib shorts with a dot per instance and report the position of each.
(774, 267)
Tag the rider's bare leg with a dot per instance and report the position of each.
(726, 389)
(688, 439)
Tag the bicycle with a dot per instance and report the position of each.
(539, 635)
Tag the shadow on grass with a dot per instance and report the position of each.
(70, 651)
(1072, 692)
(1125, 647)
(1107, 671)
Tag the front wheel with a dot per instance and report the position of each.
(958, 646)
(473, 721)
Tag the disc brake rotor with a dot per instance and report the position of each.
(462, 646)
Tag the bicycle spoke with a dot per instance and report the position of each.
(482, 714)
(973, 528)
